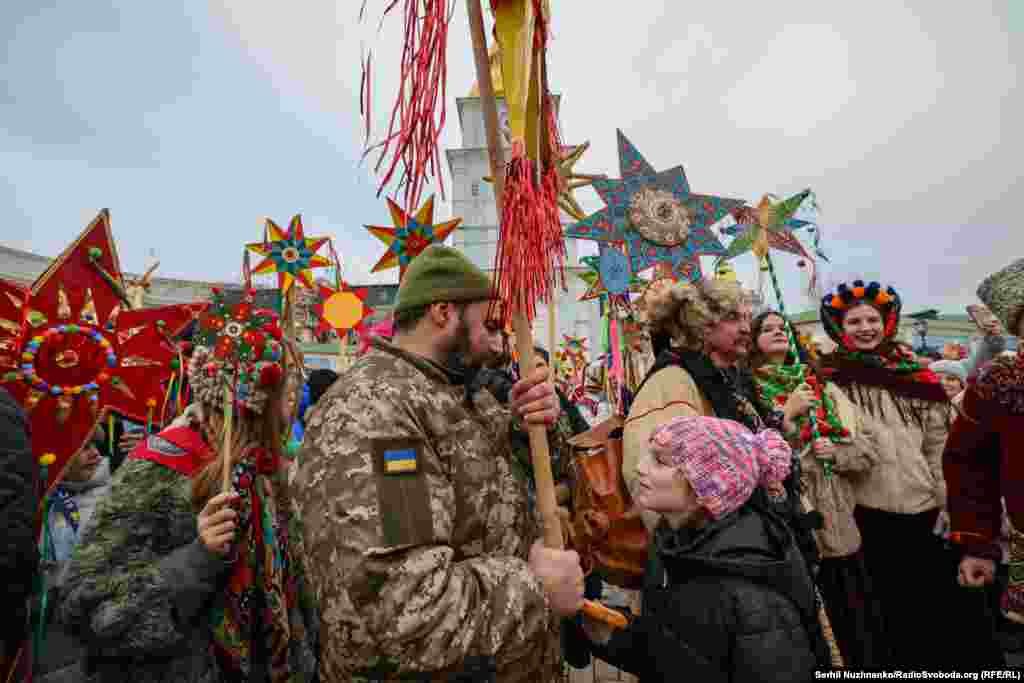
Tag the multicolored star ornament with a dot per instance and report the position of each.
(593, 276)
(575, 349)
(769, 225)
(246, 343)
(79, 353)
(290, 254)
(341, 309)
(656, 215)
(410, 235)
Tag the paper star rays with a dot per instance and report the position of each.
(290, 254)
(768, 225)
(771, 225)
(410, 235)
(656, 215)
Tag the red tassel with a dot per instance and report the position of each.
(418, 116)
(531, 250)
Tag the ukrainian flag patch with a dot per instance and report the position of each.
(400, 461)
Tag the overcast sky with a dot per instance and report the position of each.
(193, 120)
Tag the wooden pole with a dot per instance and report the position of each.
(553, 333)
(539, 452)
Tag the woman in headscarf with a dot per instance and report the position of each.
(179, 580)
(727, 596)
(830, 466)
(904, 406)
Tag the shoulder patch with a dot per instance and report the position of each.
(402, 492)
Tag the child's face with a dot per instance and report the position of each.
(664, 489)
(84, 465)
(952, 385)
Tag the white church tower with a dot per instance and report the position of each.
(477, 237)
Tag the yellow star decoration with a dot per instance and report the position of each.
(569, 181)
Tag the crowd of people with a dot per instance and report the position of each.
(856, 508)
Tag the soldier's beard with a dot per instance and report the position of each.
(461, 356)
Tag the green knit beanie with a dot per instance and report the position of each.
(439, 274)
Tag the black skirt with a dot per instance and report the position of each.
(853, 610)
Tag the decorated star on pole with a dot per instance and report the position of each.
(410, 235)
(575, 349)
(656, 215)
(604, 274)
(341, 309)
(767, 226)
(290, 254)
(81, 354)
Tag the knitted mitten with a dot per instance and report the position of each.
(1013, 599)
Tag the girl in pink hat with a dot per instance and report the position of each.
(727, 596)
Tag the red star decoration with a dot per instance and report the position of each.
(79, 354)
(341, 309)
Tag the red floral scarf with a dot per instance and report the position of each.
(896, 369)
(260, 610)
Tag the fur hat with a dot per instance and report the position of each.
(723, 460)
(1003, 293)
(238, 348)
(834, 308)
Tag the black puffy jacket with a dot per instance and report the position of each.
(18, 500)
(731, 601)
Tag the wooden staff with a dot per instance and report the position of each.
(539, 453)
(552, 334)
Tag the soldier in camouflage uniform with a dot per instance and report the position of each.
(418, 535)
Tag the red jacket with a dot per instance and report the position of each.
(983, 460)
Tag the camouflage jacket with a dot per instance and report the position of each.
(417, 531)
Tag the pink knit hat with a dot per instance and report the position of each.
(722, 459)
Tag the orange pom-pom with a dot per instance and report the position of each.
(837, 302)
(858, 292)
(883, 298)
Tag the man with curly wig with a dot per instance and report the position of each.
(704, 330)
(707, 327)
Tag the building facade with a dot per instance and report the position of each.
(477, 236)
